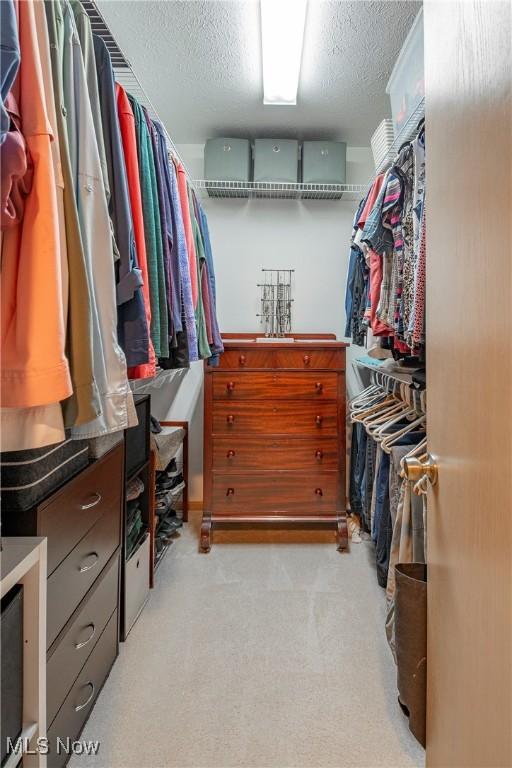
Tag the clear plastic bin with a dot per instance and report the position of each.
(406, 86)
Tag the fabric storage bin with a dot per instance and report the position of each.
(99, 446)
(276, 160)
(411, 644)
(30, 476)
(324, 162)
(406, 86)
(12, 667)
(227, 160)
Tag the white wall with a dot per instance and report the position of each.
(311, 237)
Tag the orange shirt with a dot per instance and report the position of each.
(35, 370)
(128, 136)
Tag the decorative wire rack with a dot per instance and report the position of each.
(278, 190)
(276, 302)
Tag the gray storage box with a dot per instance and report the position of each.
(324, 162)
(227, 160)
(276, 160)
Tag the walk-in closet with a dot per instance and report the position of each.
(255, 395)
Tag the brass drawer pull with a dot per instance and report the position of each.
(319, 455)
(319, 492)
(92, 503)
(242, 359)
(318, 421)
(306, 359)
(230, 454)
(230, 386)
(84, 568)
(86, 642)
(230, 492)
(83, 706)
(230, 419)
(319, 387)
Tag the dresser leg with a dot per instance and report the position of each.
(342, 533)
(205, 540)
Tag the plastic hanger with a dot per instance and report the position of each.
(389, 441)
(382, 432)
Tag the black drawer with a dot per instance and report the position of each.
(76, 574)
(73, 511)
(137, 439)
(81, 636)
(82, 696)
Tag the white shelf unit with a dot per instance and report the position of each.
(277, 191)
(23, 561)
(408, 132)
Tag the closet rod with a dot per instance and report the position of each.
(127, 78)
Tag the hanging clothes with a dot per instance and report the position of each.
(9, 61)
(83, 405)
(217, 345)
(118, 255)
(35, 370)
(389, 234)
(165, 231)
(110, 373)
(181, 253)
(132, 326)
(189, 233)
(174, 281)
(128, 135)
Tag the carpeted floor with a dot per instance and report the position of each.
(269, 652)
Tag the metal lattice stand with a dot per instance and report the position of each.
(276, 302)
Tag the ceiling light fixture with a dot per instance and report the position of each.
(282, 38)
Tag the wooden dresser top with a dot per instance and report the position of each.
(295, 341)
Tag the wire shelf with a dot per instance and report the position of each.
(407, 133)
(277, 190)
(125, 75)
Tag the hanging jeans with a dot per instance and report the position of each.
(357, 466)
(384, 522)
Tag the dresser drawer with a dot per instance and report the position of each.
(75, 509)
(242, 359)
(81, 637)
(82, 696)
(235, 454)
(279, 418)
(275, 493)
(307, 359)
(273, 386)
(70, 582)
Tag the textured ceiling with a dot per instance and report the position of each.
(200, 63)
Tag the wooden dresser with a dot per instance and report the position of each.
(274, 434)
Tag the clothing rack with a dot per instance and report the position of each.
(127, 78)
(396, 385)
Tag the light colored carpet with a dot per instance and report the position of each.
(269, 652)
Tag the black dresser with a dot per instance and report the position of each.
(82, 523)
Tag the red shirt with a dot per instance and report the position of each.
(128, 135)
